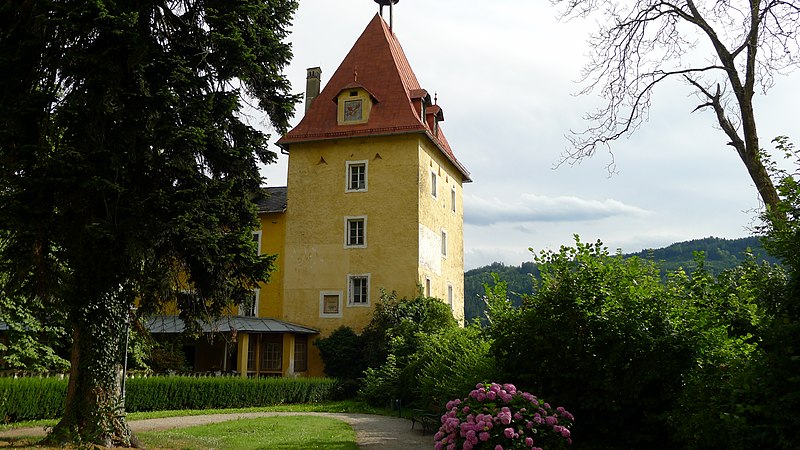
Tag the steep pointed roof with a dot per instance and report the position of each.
(378, 64)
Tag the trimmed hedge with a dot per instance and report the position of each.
(31, 398)
(43, 398)
(168, 393)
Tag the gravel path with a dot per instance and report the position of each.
(372, 432)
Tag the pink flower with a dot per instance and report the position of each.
(510, 388)
(509, 433)
(498, 447)
(565, 432)
(529, 442)
(484, 436)
(504, 415)
(467, 445)
(471, 436)
(550, 420)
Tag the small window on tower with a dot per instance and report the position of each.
(356, 176)
(330, 304)
(355, 232)
(358, 290)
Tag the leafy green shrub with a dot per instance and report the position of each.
(451, 363)
(31, 398)
(181, 392)
(381, 385)
(599, 334)
(343, 354)
(394, 336)
(403, 318)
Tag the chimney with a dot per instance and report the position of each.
(313, 77)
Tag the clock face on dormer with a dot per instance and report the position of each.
(352, 110)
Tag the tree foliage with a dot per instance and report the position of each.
(720, 254)
(127, 164)
(342, 351)
(596, 335)
(668, 361)
(393, 340)
(724, 51)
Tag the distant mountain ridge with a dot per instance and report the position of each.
(720, 254)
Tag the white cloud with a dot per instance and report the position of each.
(539, 208)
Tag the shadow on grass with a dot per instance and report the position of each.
(20, 442)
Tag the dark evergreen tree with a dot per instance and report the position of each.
(126, 166)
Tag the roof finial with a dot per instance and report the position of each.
(391, 3)
(435, 98)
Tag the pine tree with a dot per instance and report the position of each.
(127, 163)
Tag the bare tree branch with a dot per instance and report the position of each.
(741, 43)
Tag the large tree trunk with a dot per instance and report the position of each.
(95, 411)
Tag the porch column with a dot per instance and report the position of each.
(243, 340)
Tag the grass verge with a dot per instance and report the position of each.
(346, 406)
(280, 433)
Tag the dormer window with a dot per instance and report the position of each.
(355, 103)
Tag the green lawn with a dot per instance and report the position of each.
(280, 433)
(346, 406)
(289, 432)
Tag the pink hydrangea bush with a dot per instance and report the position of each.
(499, 417)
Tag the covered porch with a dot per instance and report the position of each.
(249, 346)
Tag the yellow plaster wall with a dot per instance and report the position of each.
(273, 235)
(435, 215)
(316, 259)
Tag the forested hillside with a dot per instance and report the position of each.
(720, 254)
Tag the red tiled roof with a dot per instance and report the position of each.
(378, 64)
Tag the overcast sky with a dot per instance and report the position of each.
(506, 73)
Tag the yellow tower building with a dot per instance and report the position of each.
(373, 193)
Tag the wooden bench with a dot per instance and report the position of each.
(429, 421)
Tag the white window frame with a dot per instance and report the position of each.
(322, 296)
(444, 243)
(350, 293)
(450, 295)
(453, 199)
(257, 238)
(256, 294)
(348, 171)
(428, 287)
(347, 221)
(434, 184)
